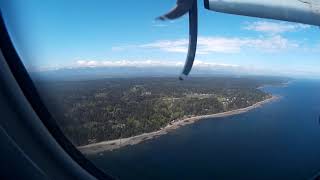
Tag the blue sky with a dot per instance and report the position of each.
(79, 33)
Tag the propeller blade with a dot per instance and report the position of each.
(193, 37)
(181, 8)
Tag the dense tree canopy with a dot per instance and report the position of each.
(97, 110)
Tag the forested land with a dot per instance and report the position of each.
(97, 110)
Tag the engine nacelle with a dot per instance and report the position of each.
(301, 11)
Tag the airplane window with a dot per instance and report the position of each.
(108, 73)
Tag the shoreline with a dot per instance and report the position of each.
(284, 84)
(118, 143)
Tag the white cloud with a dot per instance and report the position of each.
(87, 63)
(200, 65)
(275, 27)
(203, 64)
(148, 63)
(126, 63)
(271, 44)
(207, 45)
(272, 41)
(169, 45)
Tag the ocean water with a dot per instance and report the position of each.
(280, 140)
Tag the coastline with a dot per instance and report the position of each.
(284, 84)
(118, 143)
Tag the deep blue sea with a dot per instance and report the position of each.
(280, 140)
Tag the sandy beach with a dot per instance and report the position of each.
(118, 143)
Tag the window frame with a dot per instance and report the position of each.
(30, 92)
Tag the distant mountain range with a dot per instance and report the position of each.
(87, 73)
